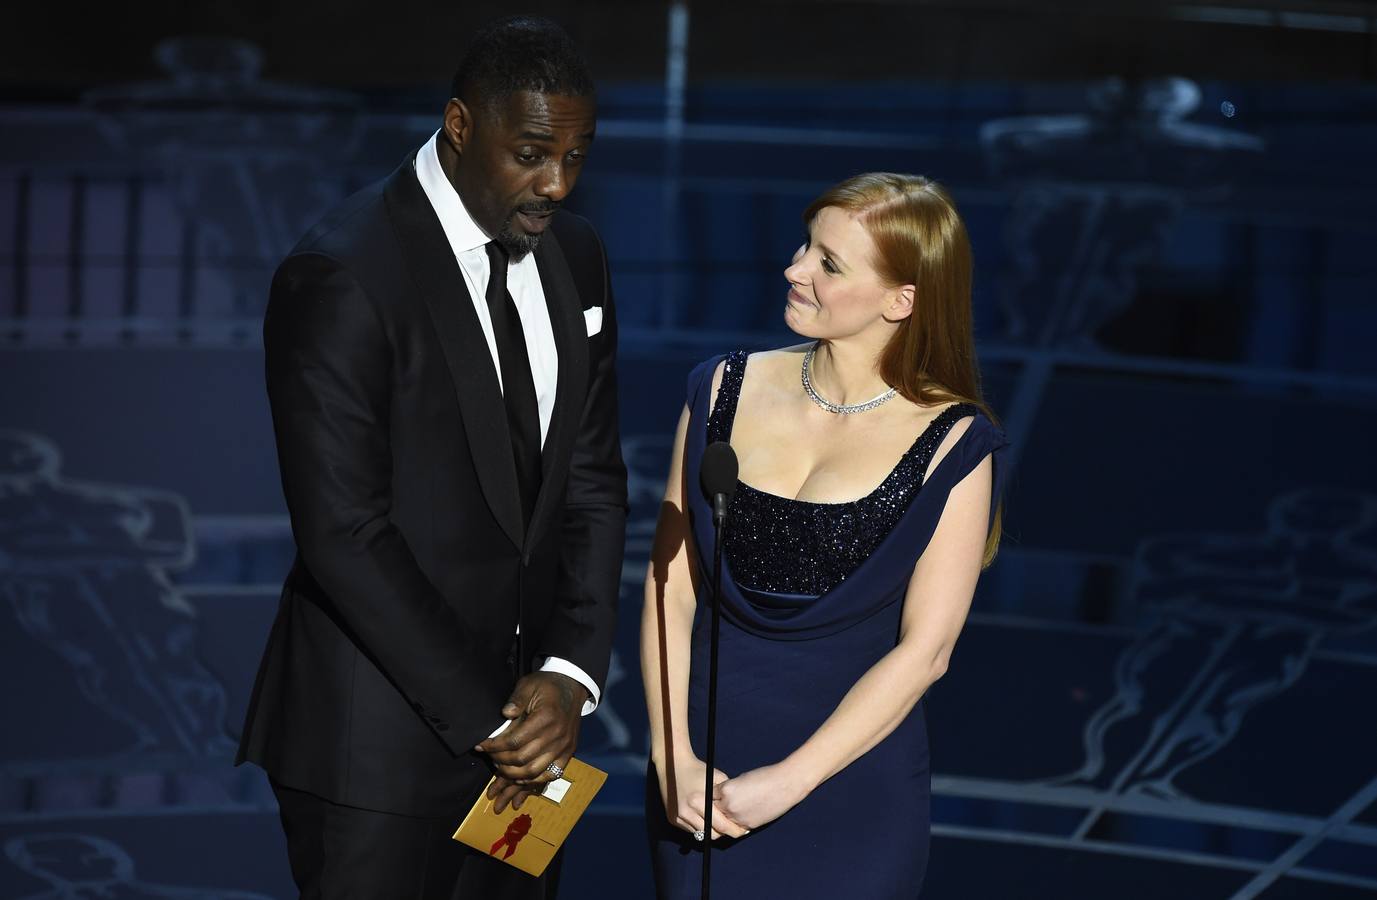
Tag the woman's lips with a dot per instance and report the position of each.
(795, 297)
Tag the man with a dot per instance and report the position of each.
(440, 364)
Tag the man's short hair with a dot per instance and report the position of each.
(520, 53)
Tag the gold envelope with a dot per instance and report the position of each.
(528, 837)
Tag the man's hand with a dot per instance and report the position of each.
(503, 792)
(546, 707)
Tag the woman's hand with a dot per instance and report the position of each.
(682, 794)
(761, 795)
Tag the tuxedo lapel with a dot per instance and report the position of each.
(571, 343)
(432, 266)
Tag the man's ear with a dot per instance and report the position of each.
(901, 306)
(458, 125)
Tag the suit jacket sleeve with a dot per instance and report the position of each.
(593, 530)
(329, 382)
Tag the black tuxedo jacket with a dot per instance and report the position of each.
(389, 657)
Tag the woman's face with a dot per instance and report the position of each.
(834, 291)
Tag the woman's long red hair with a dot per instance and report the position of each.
(920, 240)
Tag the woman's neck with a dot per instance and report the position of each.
(846, 373)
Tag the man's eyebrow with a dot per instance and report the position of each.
(547, 136)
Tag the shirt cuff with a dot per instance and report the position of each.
(564, 667)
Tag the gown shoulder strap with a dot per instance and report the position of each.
(926, 446)
(724, 409)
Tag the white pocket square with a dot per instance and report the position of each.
(592, 319)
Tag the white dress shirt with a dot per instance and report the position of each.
(469, 243)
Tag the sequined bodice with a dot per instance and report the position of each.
(789, 546)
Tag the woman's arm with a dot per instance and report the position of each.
(667, 615)
(935, 606)
(666, 638)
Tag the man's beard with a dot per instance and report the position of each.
(517, 242)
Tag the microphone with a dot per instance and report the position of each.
(718, 475)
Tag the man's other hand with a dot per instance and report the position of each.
(545, 707)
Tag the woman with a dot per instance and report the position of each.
(844, 585)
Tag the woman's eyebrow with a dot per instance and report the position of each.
(832, 254)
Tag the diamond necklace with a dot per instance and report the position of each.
(844, 409)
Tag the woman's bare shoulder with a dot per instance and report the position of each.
(779, 362)
(791, 354)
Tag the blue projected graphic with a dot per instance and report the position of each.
(82, 865)
(85, 575)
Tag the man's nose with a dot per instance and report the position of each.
(555, 183)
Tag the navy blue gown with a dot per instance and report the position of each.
(811, 600)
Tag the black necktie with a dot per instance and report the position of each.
(518, 387)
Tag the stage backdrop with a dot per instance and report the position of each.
(1167, 679)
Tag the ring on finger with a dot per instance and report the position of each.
(699, 835)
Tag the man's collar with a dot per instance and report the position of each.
(463, 233)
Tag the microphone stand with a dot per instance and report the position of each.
(719, 520)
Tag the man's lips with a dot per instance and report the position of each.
(534, 222)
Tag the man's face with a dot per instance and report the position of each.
(519, 160)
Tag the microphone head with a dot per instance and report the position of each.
(719, 469)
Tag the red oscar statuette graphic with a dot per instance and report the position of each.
(516, 830)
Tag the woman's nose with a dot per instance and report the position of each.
(795, 273)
